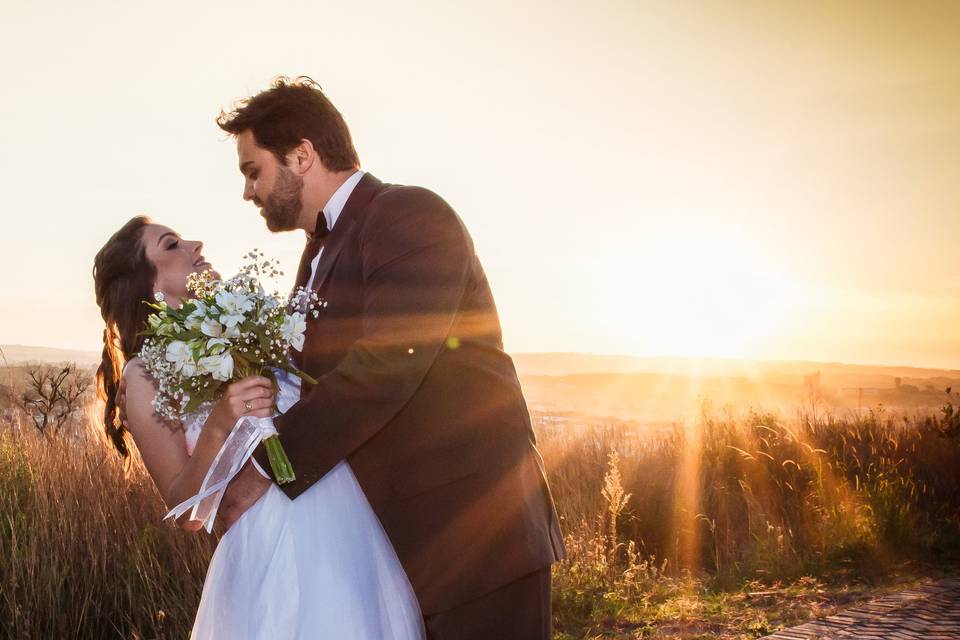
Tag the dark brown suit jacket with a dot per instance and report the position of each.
(417, 394)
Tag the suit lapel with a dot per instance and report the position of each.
(361, 196)
(303, 270)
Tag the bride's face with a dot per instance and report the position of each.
(174, 259)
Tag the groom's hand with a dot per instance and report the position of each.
(242, 493)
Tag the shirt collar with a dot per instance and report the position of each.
(334, 206)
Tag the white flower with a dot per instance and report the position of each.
(219, 366)
(197, 316)
(178, 352)
(216, 345)
(232, 332)
(293, 330)
(210, 327)
(232, 307)
(231, 320)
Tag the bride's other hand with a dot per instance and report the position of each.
(251, 396)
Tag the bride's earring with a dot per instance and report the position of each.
(158, 296)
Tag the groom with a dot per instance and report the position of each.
(415, 390)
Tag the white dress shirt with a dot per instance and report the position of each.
(332, 211)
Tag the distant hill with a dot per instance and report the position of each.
(661, 389)
(564, 364)
(653, 397)
(14, 353)
(567, 364)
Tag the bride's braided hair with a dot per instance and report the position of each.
(123, 279)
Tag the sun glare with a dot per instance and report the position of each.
(708, 293)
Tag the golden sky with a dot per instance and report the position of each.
(739, 179)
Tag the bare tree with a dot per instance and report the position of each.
(54, 395)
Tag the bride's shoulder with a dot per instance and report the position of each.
(138, 391)
(135, 374)
(133, 368)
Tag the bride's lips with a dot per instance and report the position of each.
(201, 263)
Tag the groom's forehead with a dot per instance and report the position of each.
(245, 144)
(247, 149)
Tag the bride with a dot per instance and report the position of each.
(320, 566)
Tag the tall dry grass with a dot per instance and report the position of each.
(731, 499)
(85, 555)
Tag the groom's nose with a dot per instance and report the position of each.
(248, 193)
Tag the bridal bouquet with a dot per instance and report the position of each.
(229, 330)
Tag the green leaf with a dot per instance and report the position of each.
(195, 401)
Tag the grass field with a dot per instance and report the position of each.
(736, 526)
(725, 528)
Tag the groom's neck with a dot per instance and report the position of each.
(317, 192)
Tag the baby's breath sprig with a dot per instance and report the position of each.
(306, 301)
(199, 284)
(259, 267)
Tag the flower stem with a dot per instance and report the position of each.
(279, 462)
(303, 375)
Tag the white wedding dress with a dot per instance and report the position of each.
(320, 566)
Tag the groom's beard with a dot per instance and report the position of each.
(282, 207)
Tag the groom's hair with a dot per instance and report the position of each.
(286, 113)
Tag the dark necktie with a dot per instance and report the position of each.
(314, 244)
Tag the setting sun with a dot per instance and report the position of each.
(696, 291)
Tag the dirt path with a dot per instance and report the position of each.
(928, 612)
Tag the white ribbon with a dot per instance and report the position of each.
(246, 434)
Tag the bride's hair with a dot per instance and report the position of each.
(123, 279)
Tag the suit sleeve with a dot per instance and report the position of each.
(415, 255)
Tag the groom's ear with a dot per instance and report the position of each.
(302, 157)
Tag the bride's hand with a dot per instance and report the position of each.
(251, 396)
